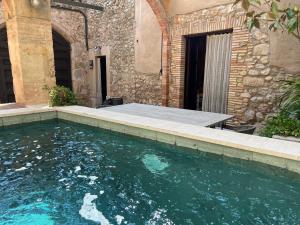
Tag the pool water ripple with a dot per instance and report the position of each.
(64, 173)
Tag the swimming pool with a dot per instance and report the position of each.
(58, 172)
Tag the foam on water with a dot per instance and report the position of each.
(20, 169)
(89, 211)
(92, 180)
(77, 169)
(119, 219)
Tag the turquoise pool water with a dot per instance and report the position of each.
(63, 173)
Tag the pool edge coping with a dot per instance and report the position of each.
(229, 144)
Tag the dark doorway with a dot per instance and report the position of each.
(194, 72)
(103, 77)
(62, 58)
(6, 80)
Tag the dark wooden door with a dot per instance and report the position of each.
(6, 81)
(62, 58)
(103, 77)
(194, 72)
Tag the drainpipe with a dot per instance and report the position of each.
(86, 28)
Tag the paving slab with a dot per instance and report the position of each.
(184, 116)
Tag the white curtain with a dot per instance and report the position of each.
(216, 78)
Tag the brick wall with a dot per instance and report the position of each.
(205, 21)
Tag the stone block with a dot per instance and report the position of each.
(134, 131)
(271, 160)
(265, 72)
(31, 118)
(237, 153)
(117, 127)
(261, 49)
(85, 120)
(253, 81)
(264, 59)
(65, 116)
(245, 95)
(268, 78)
(293, 165)
(256, 99)
(166, 138)
(210, 148)
(249, 115)
(103, 124)
(259, 116)
(253, 72)
(149, 134)
(259, 66)
(12, 120)
(48, 115)
(186, 142)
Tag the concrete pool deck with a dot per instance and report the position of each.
(183, 116)
(275, 152)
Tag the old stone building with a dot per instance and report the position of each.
(143, 51)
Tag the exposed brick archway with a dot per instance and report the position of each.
(160, 13)
(162, 18)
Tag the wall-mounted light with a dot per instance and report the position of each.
(97, 50)
(37, 3)
(91, 64)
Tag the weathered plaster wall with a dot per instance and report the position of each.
(174, 7)
(284, 48)
(284, 51)
(115, 27)
(148, 39)
(1, 15)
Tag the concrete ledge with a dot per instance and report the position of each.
(274, 152)
(287, 138)
(26, 115)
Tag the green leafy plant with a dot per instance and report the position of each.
(290, 101)
(285, 19)
(61, 96)
(282, 125)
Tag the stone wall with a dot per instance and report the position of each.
(115, 27)
(174, 7)
(263, 82)
(71, 26)
(254, 83)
